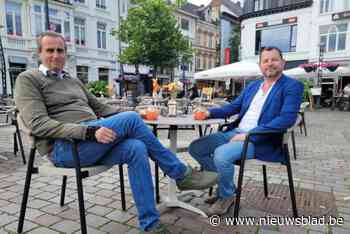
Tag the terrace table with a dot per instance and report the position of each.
(174, 123)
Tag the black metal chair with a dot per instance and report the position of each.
(8, 114)
(286, 162)
(49, 168)
(302, 124)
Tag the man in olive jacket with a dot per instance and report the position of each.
(57, 107)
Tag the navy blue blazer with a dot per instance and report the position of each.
(278, 114)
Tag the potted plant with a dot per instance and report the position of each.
(98, 88)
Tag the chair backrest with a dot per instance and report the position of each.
(289, 130)
(27, 132)
(303, 106)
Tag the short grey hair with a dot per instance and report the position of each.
(50, 34)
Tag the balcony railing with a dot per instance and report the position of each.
(69, 2)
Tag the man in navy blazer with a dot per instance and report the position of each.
(270, 104)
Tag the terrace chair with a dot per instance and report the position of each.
(302, 124)
(8, 122)
(49, 169)
(285, 162)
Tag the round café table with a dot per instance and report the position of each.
(174, 123)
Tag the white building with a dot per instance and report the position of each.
(85, 24)
(298, 28)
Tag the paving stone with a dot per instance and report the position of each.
(54, 209)
(38, 203)
(47, 220)
(71, 214)
(31, 214)
(26, 226)
(66, 226)
(91, 230)
(113, 227)
(12, 208)
(42, 230)
(100, 210)
(119, 216)
(95, 221)
(6, 219)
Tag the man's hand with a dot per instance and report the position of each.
(105, 135)
(239, 137)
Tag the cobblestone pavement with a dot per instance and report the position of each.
(322, 166)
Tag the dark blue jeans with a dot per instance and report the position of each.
(215, 152)
(135, 143)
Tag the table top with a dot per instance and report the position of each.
(183, 120)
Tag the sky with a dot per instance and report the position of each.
(204, 2)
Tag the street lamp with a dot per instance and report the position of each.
(3, 66)
(47, 19)
(320, 60)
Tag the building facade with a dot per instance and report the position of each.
(226, 14)
(303, 30)
(196, 25)
(85, 24)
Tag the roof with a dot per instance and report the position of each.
(234, 7)
(191, 8)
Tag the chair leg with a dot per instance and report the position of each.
(122, 189)
(293, 145)
(79, 178)
(211, 191)
(200, 130)
(240, 178)
(63, 190)
(290, 181)
(304, 123)
(156, 172)
(21, 148)
(239, 189)
(15, 145)
(26, 190)
(266, 192)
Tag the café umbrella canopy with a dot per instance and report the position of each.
(236, 71)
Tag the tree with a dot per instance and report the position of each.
(235, 42)
(153, 37)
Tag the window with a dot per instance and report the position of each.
(103, 74)
(258, 5)
(101, 4)
(124, 7)
(333, 37)
(59, 21)
(79, 1)
(13, 18)
(326, 6)
(210, 41)
(80, 31)
(198, 63)
(83, 73)
(286, 40)
(101, 35)
(185, 24)
(38, 20)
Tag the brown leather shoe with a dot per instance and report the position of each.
(221, 206)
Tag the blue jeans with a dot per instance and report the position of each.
(215, 152)
(134, 144)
